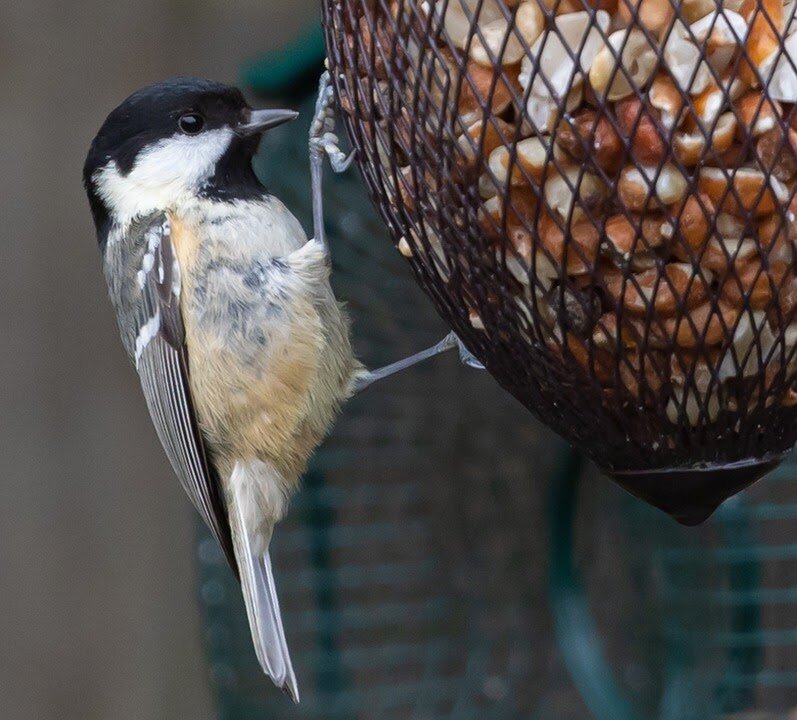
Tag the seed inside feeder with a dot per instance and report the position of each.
(607, 192)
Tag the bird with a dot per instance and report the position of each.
(226, 310)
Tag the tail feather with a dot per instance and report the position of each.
(263, 609)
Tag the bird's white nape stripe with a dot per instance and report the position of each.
(163, 173)
(148, 331)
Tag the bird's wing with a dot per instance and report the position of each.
(157, 344)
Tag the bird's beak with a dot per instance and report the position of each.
(261, 120)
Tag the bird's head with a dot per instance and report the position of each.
(175, 139)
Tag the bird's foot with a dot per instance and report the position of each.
(449, 342)
(323, 140)
(466, 357)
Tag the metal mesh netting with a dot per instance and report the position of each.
(691, 623)
(599, 198)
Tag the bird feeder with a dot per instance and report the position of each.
(598, 196)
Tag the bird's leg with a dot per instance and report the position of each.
(447, 343)
(324, 141)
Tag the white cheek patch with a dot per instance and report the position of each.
(163, 173)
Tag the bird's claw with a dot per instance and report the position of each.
(341, 162)
(466, 356)
(327, 144)
(323, 139)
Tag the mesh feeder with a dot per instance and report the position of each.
(599, 199)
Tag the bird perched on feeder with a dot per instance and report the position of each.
(225, 307)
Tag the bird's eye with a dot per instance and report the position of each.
(191, 123)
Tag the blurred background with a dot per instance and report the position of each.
(448, 557)
(98, 614)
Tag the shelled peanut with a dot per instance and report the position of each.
(637, 162)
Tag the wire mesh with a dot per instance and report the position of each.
(598, 195)
(701, 621)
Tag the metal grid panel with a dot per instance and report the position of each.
(702, 621)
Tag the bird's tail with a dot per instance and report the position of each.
(260, 596)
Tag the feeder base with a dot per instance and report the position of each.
(691, 495)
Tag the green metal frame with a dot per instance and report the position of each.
(282, 72)
(577, 636)
(738, 556)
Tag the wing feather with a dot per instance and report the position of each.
(158, 349)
